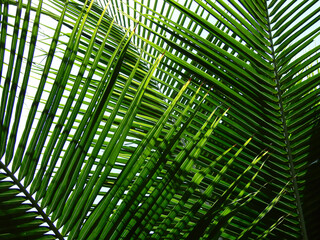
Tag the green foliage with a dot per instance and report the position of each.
(159, 119)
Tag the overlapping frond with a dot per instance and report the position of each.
(91, 134)
(102, 128)
(262, 58)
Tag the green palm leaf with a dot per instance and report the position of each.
(104, 137)
(265, 53)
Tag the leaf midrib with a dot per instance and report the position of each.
(286, 134)
(33, 202)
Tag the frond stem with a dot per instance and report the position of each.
(286, 136)
(33, 202)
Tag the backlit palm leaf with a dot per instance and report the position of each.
(106, 138)
(262, 59)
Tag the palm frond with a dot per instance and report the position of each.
(119, 119)
(262, 59)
